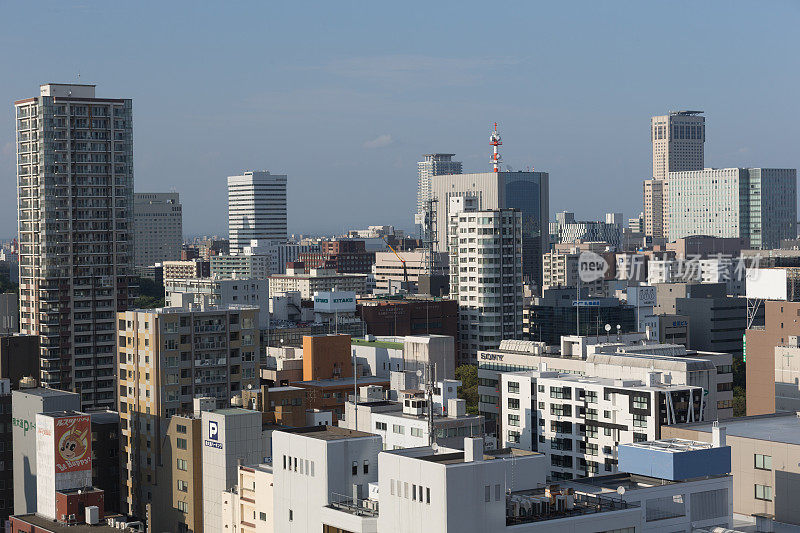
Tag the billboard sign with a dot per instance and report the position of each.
(644, 296)
(73, 442)
(334, 301)
(767, 283)
(213, 435)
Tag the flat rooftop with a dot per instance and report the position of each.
(372, 380)
(776, 427)
(45, 524)
(328, 432)
(450, 458)
(59, 414)
(45, 392)
(285, 388)
(672, 445)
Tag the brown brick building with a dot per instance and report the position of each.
(781, 320)
(346, 257)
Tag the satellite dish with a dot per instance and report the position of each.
(435, 447)
(249, 386)
(608, 327)
(419, 373)
(620, 490)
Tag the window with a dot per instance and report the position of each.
(763, 462)
(416, 432)
(183, 507)
(664, 508)
(414, 492)
(182, 465)
(391, 487)
(400, 430)
(427, 495)
(640, 402)
(639, 421)
(513, 420)
(366, 467)
(513, 403)
(262, 516)
(181, 444)
(291, 515)
(639, 437)
(381, 426)
(180, 429)
(183, 486)
(513, 387)
(764, 492)
(487, 493)
(497, 492)
(355, 468)
(513, 436)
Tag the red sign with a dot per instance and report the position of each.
(73, 440)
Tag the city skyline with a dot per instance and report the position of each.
(336, 118)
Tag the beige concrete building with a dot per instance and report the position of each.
(389, 268)
(248, 507)
(168, 357)
(177, 495)
(158, 227)
(297, 278)
(678, 140)
(765, 460)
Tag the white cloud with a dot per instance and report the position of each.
(380, 141)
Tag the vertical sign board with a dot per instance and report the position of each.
(73, 442)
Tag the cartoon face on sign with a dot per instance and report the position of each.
(72, 445)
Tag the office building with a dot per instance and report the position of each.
(186, 269)
(528, 192)
(718, 322)
(678, 145)
(392, 271)
(168, 357)
(577, 422)
(256, 209)
(75, 150)
(560, 269)
(678, 142)
(219, 292)
(286, 253)
(765, 471)
(9, 313)
(655, 214)
(25, 405)
(19, 357)
(231, 437)
(569, 231)
(241, 266)
(486, 273)
(309, 281)
(757, 204)
(417, 315)
(433, 165)
(559, 312)
(636, 224)
(158, 227)
(346, 256)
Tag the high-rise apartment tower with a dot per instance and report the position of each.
(75, 189)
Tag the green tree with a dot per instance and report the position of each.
(149, 294)
(468, 376)
(739, 387)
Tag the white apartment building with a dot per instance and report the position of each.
(158, 227)
(219, 292)
(433, 165)
(241, 266)
(309, 281)
(379, 356)
(486, 276)
(315, 467)
(528, 192)
(256, 208)
(577, 422)
(390, 272)
(76, 234)
(289, 252)
(630, 356)
(759, 204)
(656, 216)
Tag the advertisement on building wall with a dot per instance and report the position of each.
(73, 441)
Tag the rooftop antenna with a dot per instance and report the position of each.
(494, 141)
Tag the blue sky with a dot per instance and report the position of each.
(345, 96)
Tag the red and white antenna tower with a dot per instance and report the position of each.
(494, 140)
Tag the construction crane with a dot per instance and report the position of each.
(402, 261)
